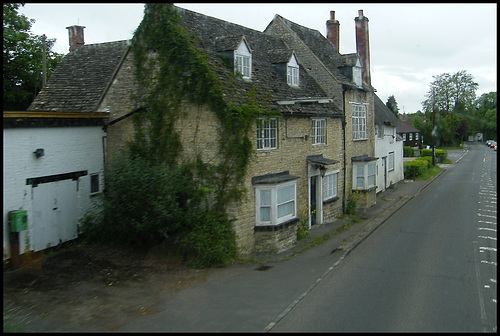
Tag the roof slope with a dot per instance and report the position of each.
(215, 35)
(383, 115)
(79, 81)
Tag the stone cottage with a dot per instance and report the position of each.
(313, 147)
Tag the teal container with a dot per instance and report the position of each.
(18, 220)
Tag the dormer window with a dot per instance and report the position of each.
(292, 71)
(356, 74)
(243, 60)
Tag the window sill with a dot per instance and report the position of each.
(365, 190)
(281, 226)
(331, 200)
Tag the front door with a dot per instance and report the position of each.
(313, 192)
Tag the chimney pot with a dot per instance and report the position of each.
(333, 30)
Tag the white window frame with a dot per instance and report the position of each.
(330, 185)
(364, 175)
(292, 72)
(267, 133)
(359, 121)
(356, 75)
(243, 61)
(274, 203)
(416, 136)
(410, 136)
(390, 161)
(318, 131)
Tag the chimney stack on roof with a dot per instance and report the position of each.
(333, 30)
(76, 39)
(363, 45)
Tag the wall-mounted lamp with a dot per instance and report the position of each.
(39, 152)
(322, 171)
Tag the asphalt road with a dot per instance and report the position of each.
(430, 267)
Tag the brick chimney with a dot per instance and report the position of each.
(333, 30)
(76, 39)
(363, 45)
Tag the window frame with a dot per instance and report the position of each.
(95, 182)
(271, 127)
(334, 185)
(359, 121)
(366, 172)
(318, 139)
(274, 205)
(390, 161)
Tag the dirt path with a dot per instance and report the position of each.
(91, 288)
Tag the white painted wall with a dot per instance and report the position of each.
(67, 149)
(383, 146)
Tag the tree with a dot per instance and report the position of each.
(451, 91)
(485, 116)
(452, 98)
(392, 105)
(22, 59)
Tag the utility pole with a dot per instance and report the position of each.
(433, 126)
(44, 63)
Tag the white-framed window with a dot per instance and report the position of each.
(292, 72)
(410, 136)
(416, 136)
(390, 161)
(404, 136)
(267, 133)
(359, 121)
(243, 61)
(330, 185)
(276, 203)
(318, 131)
(380, 131)
(292, 77)
(364, 175)
(94, 184)
(356, 75)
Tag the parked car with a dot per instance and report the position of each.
(493, 144)
(488, 143)
(495, 148)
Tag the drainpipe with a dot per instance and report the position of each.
(344, 145)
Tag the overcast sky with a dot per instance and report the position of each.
(409, 43)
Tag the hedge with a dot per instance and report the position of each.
(440, 154)
(408, 151)
(415, 168)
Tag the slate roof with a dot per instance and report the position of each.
(323, 49)
(81, 78)
(406, 127)
(215, 35)
(383, 115)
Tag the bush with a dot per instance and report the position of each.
(408, 151)
(440, 154)
(143, 204)
(415, 168)
(209, 242)
(428, 159)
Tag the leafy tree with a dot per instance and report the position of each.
(22, 59)
(485, 116)
(451, 91)
(392, 105)
(452, 97)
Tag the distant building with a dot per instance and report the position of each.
(411, 136)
